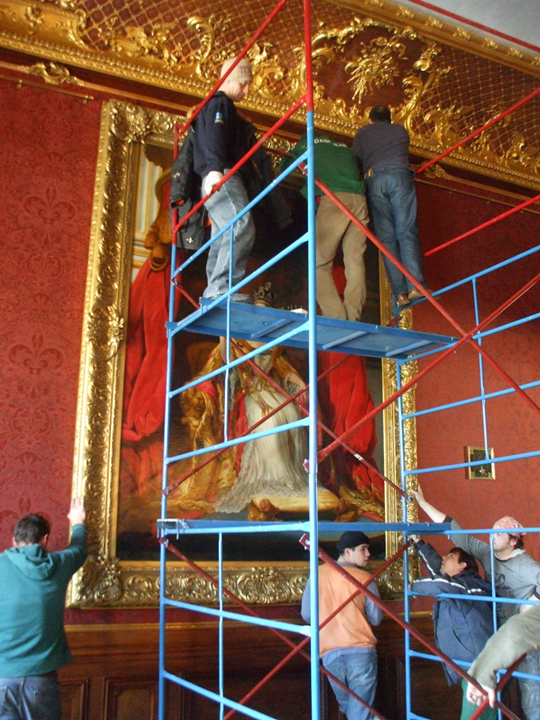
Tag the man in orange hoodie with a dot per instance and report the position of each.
(347, 642)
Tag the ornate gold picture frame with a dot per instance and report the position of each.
(105, 580)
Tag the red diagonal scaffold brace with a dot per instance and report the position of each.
(494, 220)
(172, 486)
(295, 648)
(323, 453)
(410, 628)
(495, 365)
(480, 130)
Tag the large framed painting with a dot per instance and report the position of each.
(119, 441)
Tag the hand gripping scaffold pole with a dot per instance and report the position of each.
(227, 319)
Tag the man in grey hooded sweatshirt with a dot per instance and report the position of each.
(33, 644)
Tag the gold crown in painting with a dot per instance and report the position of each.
(264, 295)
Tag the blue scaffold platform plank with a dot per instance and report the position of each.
(262, 324)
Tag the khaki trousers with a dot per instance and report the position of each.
(332, 228)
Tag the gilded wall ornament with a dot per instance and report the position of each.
(376, 66)
(52, 73)
(368, 47)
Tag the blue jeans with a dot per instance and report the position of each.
(357, 669)
(35, 697)
(392, 206)
(222, 207)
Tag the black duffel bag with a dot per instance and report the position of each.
(185, 194)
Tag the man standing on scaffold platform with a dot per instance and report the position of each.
(382, 150)
(220, 142)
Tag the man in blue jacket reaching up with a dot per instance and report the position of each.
(462, 627)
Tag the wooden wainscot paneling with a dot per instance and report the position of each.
(114, 674)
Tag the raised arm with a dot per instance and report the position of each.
(77, 513)
(435, 515)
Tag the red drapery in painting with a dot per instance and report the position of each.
(146, 354)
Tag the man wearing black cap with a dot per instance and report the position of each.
(347, 642)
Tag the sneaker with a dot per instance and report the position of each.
(417, 294)
(402, 300)
(242, 298)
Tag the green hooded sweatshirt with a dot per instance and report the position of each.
(335, 165)
(33, 584)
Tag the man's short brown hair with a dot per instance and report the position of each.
(31, 529)
(380, 113)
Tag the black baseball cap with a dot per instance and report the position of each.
(351, 539)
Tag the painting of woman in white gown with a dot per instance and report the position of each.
(264, 476)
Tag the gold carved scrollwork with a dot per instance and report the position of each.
(374, 48)
(65, 4)
(54, 23)
(33, 16)
(99, 582)
(52, 73)
(376, 66)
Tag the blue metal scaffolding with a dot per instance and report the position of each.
(231, 320)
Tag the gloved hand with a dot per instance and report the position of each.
(211, 180)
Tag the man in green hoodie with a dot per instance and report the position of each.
(336, 167)
(33, 644)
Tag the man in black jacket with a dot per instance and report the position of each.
(219, 143)
(462, 627)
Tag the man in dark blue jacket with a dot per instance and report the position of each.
(219, 143)
(462, 627)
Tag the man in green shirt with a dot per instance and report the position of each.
(33, 644)
(336, 167)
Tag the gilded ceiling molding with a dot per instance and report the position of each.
(446, 33)
(369, 55)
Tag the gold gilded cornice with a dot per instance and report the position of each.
(364, 51)
(434, 28)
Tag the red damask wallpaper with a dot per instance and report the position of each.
(47, 168)
(512, 424)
